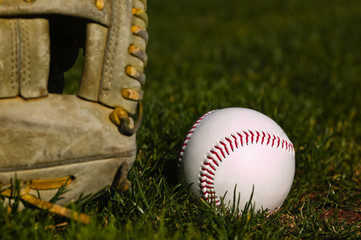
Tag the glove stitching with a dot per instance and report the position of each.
(14, 53)
(25, 55)
(112, 44)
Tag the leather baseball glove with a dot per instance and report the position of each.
(49, 140)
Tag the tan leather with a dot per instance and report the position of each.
(116, 57)
(46, 135)
(112, 45)
(24, 62)
(78, 8)
(93, 61)
(58, 136)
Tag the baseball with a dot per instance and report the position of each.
(233, 153)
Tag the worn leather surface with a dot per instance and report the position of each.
(57, 130)
(24, 57)
(45, 135)
(78, 8)
(108, 40)
(116, 41)
(61, 135)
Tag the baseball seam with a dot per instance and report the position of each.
(189, 134)
(229, 144)
(224, 148)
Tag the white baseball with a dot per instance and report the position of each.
(242, 149)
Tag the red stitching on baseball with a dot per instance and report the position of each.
(273, 140)
(258, 135)
(264, 135)
(251, 137)
(210, 183)
(189, 134)
(210, 165)
(208, 172)
(240, 138)
(230, 144)
(212, 195)
(215, 153)
(221, 150)
(246, 137)
(225, 147)
(212, 159)
(235, 140)
(202, 181)
(269, 137)
(205, 180)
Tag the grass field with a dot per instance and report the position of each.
(299, 62)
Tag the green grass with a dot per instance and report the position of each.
(299, 62)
